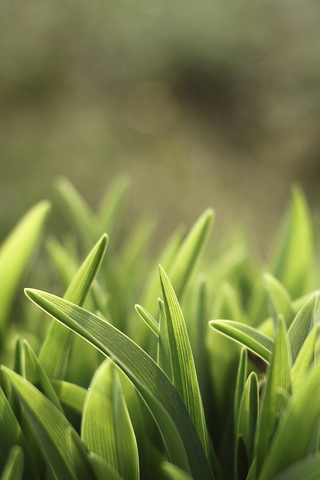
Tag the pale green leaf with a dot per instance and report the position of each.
(112, 204)
(80, 456)
(78, 211)
(248, 414)
(301, 325)
(190, 251)
(32, 370)
(164, 353)
(241, 381)
(15, 254)
(106, 427)
(296, 428)
(183, 368)
(69, 394)
(279, 298)
(56, 346)
(278, 377)
(304, 358)
(50, 425)
(173, 472)
(148, 318)
(11, 435)
(251, 338)
(102, 469)
(306, 469)
(177, 429)
(14, 466)
(291, 263)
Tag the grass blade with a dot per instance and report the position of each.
(174, 473)
(304, 358)
(102, 469)
(14, 466)
(248, 414)
(15, 254)
(57, 343)
(291, 263)
(251, 338)
(279, 298)
(241, 381)
(301, 325)
(154, 386)
(11, 435)
(190, 251)
(284, 451)
(278, 377)
(183, 368)
(148, 318)
(106, 426)
(69, 394)
(50, 425)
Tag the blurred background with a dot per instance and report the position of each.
(202, 104)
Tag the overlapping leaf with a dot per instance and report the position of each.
(178, 431)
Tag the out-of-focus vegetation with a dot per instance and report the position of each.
(210, 102)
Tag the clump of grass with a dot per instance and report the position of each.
(213, 374)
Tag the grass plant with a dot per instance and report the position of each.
(204, 368)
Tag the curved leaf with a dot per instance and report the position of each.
(251, 338)
(14, 466)
(154, 386)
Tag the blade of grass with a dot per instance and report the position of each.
(241, 381)
(69, 394)
(248, 414)
(279, 298)
(301, 325)
(14, 466)
(291, 263)
(11, 435)
(106, 427)
(278, 377)
(148, 318)
(56, 346)
(15, 254)
(304, 358)
(50, 425)
(102, 469)
(301, 417)
(190, 251)
(153, 385)
(251, 338)
(174, 473)
(183, 368)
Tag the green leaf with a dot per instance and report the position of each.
(80, 457)
(251, 338)
(180, 436)
(174, 473)
(183, 368)
(248, 414)
(292, 260)
(78, 211)
(15, 255)
(56, 346)
(241, 381)
(306, 469)
(69, 394)
(301, 325)
(279, 299)
(304, 358)
(50, 425)
(296, 428)
(106, 426)
(112, 204)
(11, 435)
(14, 466)
(32, 370)
(102, 469)
(148, 318)
(164, 353)
(278, 377)
(190, 251)
(63, 262)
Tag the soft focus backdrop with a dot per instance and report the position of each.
(203, 103)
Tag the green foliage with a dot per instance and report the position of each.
(175, 398)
